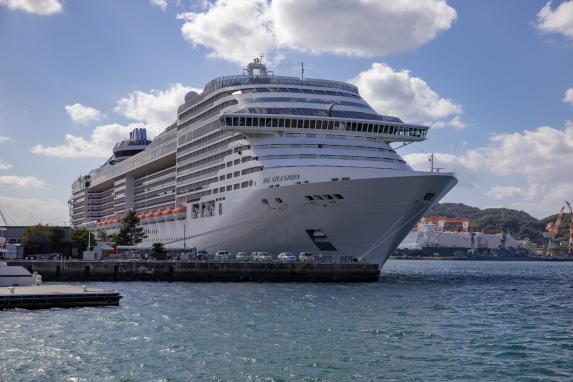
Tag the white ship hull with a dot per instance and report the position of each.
(367, 225)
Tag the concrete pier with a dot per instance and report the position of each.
(55, 296)
(55, 270)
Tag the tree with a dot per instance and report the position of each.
(158, 251)
(36, 239)
(130, 232)
(45, 239)
(79, 238)
(102, 235)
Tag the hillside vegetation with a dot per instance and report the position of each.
(520, 224)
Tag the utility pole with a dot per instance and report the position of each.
(184, 237)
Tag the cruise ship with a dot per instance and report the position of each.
(261, 162)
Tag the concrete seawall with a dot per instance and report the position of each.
(55, 270)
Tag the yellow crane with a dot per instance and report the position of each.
(552, 229)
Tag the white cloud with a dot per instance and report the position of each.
(399, 93)
(359, 28)
(159, 3)
(21, 181)
(533, 167)
(153, 110)
(38, 7)
(238, 30)
(506, 192)
(235, 30)
(157, 108)
(466, 166)
(83, 114)
(25, 211)
(5, 166)
(559, 20)
(4, 139)
(568, 97)
(98, 145)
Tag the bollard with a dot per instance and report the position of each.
(85, 288)
(11, 289)
(38, 280)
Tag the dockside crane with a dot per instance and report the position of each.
(570, 244)
(552, 229)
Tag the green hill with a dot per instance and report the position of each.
(520, 224)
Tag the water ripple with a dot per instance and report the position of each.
(424, 321)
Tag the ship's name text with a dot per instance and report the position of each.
(281, 178)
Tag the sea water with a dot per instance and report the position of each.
(424, 321)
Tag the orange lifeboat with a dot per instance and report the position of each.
(169, 214)
(162, 216)
(156, 216)
(180, 212)
(143, 218)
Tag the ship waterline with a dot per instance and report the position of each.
(307, 166)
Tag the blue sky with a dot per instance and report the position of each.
(489, 76)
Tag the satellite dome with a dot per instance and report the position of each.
(190, 95)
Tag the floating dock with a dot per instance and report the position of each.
(196, 271)
(55, 296)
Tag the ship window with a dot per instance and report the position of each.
(300, 123)
(215, 191)
(236, 186)
(222, 177)
(318, 197)
(220, 208)
(221, 189)
(338, 196)
(329, 197)
(237, 161)
(308, 197)
(264, 201)
(244, 184)
(237, 173)
(278, 200)
(313, 124)
(281, 123)
(306, 123)
(235, 121)
(249, 121)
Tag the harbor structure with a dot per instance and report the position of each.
(264, 162)
(432, 237)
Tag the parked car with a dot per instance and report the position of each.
(306, 257)
(202, 255)
(262, 256)
(222, 255)
(287, 257)
(243, 256)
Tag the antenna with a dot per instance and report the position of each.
(431, 159)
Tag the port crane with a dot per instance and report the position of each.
(552, 229)
(3, 240)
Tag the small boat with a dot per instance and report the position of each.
(15, 276)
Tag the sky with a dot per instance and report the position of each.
(494, 80)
